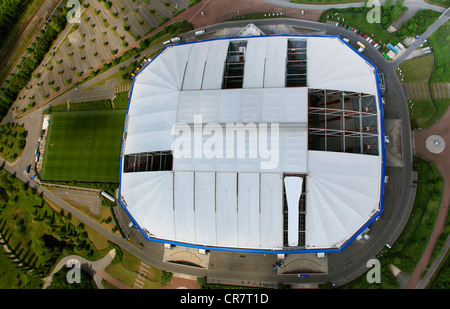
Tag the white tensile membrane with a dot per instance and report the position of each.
(226, 202)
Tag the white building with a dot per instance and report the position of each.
(323, 185)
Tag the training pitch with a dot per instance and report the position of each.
(84, 146)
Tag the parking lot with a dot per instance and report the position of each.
(88, 199)
(87, 45)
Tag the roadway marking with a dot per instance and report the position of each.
(141, 276)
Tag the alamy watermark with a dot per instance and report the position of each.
(74, 274)
(230, 140)
(74, 14)
(374, 14)
(374, 274)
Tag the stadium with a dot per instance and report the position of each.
(313, 101)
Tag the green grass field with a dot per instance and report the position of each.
(417, 69)
(84, 146)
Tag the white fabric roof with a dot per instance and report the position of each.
(237, 203)
(333, 65)
(341, 196)
(206, 208)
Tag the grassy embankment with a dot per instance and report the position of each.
(36, 234)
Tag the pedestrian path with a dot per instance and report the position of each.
(441, 159)
(96, 267)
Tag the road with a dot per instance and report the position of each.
(344, 266)
(421, 4)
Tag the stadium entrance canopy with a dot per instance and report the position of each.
(310, 174)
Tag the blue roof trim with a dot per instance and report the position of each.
(281, 251)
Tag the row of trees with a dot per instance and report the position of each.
(36, 54)
(10, 12)
(57, 235)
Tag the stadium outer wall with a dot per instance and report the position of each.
(265, 251)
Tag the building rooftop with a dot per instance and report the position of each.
(267, 143)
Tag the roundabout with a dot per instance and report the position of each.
(435, 144)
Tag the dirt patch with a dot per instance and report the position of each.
(216, 11)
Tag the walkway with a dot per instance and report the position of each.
(96, 267)
(441, 160)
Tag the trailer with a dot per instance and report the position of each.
(391, 47)
(109, 197)
(391, 54)
(400, 46)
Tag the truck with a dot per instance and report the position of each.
(361, 46)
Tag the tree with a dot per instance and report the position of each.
(59, 280)
(80, 227)
(3, 197)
